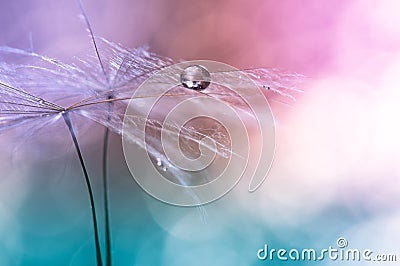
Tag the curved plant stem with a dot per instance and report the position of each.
(106, 202)
(105, 147)
(67, 120)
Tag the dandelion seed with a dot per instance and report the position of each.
(84, 94)
(98, 87)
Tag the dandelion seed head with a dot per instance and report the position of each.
(35, 86)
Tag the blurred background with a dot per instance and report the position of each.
(336, 172)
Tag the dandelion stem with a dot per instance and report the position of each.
(67, 120)
(106, 193)
(105, 147)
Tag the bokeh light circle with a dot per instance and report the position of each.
(139, 157)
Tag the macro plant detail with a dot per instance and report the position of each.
(105, 87)
(226, 149)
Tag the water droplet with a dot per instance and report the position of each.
(163, 165)
(195, 77)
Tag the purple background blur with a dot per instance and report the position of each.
(308, 37)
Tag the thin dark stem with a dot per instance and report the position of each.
(105, 149)
(106, 196)
(67, 120)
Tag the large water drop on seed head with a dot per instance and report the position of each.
(195, 77)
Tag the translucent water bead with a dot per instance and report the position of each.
(195, 77)
(162, 165)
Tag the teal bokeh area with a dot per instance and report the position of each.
(51, 223)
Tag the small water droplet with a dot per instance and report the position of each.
(266, 87)
(195, 77)
(162, 165)
(41, 101)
